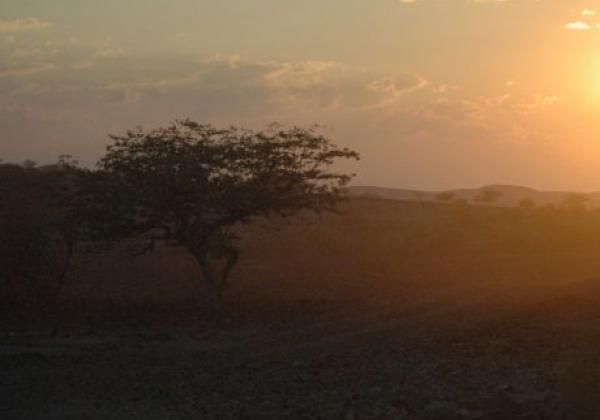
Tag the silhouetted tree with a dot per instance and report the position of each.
(445, 196)
(192, 184)
(526, 203)
(575, 202)
(29, 164)
(37, 230)
(488, 196)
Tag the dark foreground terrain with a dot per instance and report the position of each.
(391, 311)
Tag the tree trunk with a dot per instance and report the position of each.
(61, 286)
(215, 281)
(214, 305)
(211, 285)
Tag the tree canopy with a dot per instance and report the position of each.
(191, 183)
(488, 196)
(38, 229)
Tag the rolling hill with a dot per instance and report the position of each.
(511, 195)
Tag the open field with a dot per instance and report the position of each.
(391, 310)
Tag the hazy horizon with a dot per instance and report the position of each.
(434, 94)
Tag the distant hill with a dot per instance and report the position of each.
(508, 195)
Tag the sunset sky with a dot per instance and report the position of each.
(435, 94)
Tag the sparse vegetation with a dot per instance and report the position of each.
(488, 196)
(575, 202)
(527, 203)
(445, 196)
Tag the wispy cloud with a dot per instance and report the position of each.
(241, 89)
(22, 25)
(578, 26)
(26, 71)
(585, 23)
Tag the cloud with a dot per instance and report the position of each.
(25, 71)
(584, 25)
(231, 80)
(58, 96)
(333, 85)
(22, 25)
(109, 50)
(66, 74)
(105, 81)
(578, 26)
(502, 114)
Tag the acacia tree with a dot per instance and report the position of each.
(37, 230)
(191, 184)
(445, 196)
(575, 202)
(488, 196)
(526, 203)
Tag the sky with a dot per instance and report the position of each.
(434, 94)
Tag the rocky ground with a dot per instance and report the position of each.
(328, 360)
(393, 310)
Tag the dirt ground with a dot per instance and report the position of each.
(400, 320)
(426, 360)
